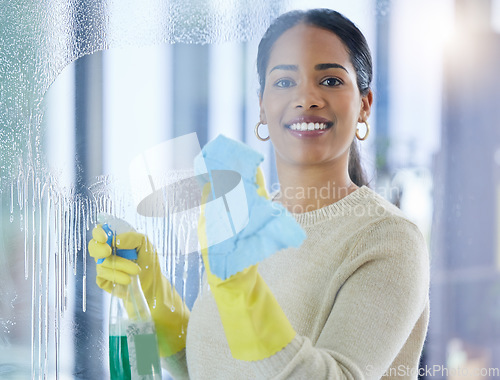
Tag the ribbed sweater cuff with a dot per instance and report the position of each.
(272, 366)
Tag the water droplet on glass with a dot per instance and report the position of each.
(11, 218)
(117, 241)
(172, 309)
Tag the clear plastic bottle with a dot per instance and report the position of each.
(133, 345)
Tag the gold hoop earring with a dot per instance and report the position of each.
(366, 134)
(256, 130)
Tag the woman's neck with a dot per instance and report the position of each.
(308, 188)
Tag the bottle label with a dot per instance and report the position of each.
(143, 351)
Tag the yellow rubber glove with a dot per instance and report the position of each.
(254, 323)
(167, 309)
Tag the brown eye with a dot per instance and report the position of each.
(331, 82)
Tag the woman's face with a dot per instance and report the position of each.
(310, 82)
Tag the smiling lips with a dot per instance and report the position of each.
(308, 127)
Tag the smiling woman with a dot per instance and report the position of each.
(352, 301)
(430, 85)
(315, 71)
(311, 99)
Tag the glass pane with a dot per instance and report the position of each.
(87, 87)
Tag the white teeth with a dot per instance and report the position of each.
(307, 126)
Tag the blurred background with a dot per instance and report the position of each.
(87, 86)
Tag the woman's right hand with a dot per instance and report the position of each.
(168, 311)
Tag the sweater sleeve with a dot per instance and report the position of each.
(384, 293)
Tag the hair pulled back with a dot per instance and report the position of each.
(356, 46)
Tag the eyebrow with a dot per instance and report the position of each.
(325, 66)
(284, 67)
(319, 67)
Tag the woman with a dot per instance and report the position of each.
(352, 301)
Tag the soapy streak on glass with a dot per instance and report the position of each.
(55, 221)
(55, 226)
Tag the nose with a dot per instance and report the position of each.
(308, 96)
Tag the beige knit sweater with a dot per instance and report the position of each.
(356, 293)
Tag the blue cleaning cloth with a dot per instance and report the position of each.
(267, 228)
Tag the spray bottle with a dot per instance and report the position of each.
(133, 345)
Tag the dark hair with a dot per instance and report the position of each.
(357, 48)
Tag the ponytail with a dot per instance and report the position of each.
(356, 171)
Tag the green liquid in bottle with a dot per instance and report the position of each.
(119, 364)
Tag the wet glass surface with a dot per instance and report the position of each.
(85, 87)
